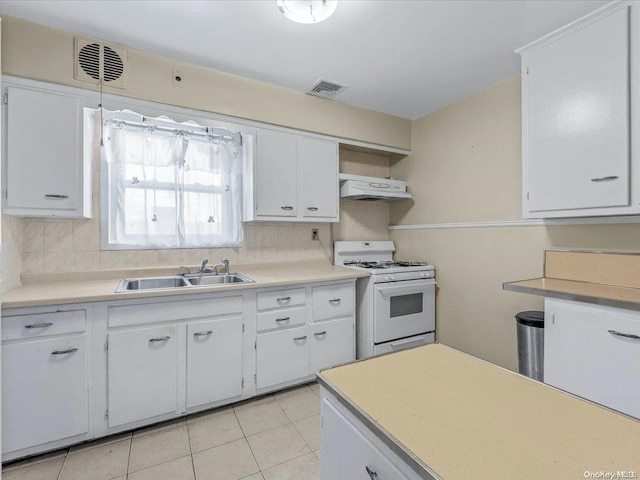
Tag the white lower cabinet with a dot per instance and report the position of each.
(142, 374)
(594, 352)
(44, 391)
(331, 343)
(348, 450)
(282, 356)
(214, 361)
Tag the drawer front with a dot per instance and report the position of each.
(332, 301)
(173, 311)
(43, 324)
(281, 318)
(281, 298)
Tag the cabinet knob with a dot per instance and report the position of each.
(56, 196)
(373, 475)
(625, 335)
(64, 352)
(286, 207)
(605, 179)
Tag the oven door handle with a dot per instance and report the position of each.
(405, 286)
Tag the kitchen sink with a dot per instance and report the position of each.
(153, 283)
(218, 279)
(161, 283)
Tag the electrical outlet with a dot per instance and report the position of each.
(314, 234)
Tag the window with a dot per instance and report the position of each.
(170, 184)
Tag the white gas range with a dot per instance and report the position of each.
(396, 303)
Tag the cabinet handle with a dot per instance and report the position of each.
(318, 334)
(304, 337)
(56, 196)
(335, 300)
(283, 299)
(283, 319)
(625, 335)
(373, 475)
(202, 334)
(287, 207)
(39, 325)
(63, 352)
(159, 339)
(312, 209)
(605, 179)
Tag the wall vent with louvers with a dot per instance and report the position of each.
(95, 60)
(326, 89)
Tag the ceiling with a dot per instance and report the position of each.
(406, 58)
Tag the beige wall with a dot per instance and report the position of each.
(33, 245)
(41, 53)
(466, 167)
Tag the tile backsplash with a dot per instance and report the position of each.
(32, 245)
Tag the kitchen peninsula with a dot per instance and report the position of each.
(433, 412)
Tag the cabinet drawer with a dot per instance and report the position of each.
(281, 298)
(281, 318)
(173, 311)
(43, 324)
(332, 301)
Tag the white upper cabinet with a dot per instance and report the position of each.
(292, 178)
(276, 174)
(45, 172)
(577, 108)
(319, 168)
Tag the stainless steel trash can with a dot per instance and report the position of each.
(530, 331)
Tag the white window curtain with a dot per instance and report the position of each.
(172, 185)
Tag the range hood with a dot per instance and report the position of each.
(358, 187)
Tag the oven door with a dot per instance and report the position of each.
(403, 309)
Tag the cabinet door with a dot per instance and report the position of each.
(332, 343)
(43, 145)
(347, 454)
(142, 374)
(576, 118)
(586, 353)
(44, 391)
(214, 361)
(318, 161)
(282, 356)
(276, 174)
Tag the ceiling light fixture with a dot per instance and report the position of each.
(307, 11)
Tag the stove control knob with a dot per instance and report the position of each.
(386, 278)
(392, 277)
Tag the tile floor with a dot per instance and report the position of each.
(275, 437)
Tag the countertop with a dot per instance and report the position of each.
(461, 418)
(608, 295)
(87, 287)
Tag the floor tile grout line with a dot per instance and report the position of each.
(62, 466)
(129, 458)
(193, 465)
(155, 465)
(293, 458)
(251, 450)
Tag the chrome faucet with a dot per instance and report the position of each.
(225, 264)
(203, 268)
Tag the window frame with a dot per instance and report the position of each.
(153, 110)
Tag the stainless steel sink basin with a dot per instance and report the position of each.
(152, 283)
(160, 283)
(218, 279)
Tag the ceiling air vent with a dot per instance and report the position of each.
(95, 61)
(326, 89)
